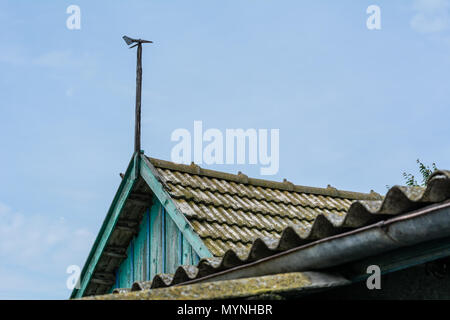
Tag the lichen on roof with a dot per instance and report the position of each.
(280, 284)
(231, 211)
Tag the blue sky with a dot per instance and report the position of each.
(355, 107)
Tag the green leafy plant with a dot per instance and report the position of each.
(424, 170)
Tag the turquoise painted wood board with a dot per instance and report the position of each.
(126, 269)
(156, 240)
(172, 252)
(159, 247)
(140, 252)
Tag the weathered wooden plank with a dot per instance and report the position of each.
(160, 247)
(129, 223)
(163, 239)
(104, 275)
(140, 254)
(116, 249)
(146, 171)
(180, 247)
(130, 266)
(155, 240)
(187, 252)
(102, 281)
(172, 245)
(195, 258)
(114, 254)
(122, 282)
(126, 269)
(131, 230)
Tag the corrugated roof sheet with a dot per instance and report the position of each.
(242, 219)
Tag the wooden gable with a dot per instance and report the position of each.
(159, 247)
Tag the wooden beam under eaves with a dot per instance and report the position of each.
(114, 254)
(125, 227)
(102, 281)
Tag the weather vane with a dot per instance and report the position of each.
(137, 128)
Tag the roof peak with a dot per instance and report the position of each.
(244, 179)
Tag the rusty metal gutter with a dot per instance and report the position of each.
(422, 225)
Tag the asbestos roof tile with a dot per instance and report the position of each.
(275, 285)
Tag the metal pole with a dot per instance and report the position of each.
(137, 129)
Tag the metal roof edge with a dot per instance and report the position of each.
(422, 225)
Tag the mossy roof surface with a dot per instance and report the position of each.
(272, 286)
(243, 220)
(231, 211)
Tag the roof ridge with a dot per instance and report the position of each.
(242, 178)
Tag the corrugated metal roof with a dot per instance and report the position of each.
(242, 219)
